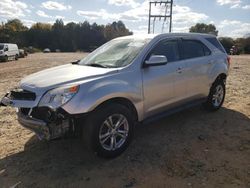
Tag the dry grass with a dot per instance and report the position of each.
(193, 148)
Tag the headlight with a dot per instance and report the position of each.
(58, 97)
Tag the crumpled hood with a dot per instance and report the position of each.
(65, 74)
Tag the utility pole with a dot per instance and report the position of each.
(167, 16)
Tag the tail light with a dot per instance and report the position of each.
(228, 61)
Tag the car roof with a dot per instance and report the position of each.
(138, 36)
(151, 36)
(7, 43)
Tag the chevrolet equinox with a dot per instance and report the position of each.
(127, 80)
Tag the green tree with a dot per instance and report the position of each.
(116, 29)
(15, 25)
(227, 43)
(39, 35)
(13, 31)
(69, 37)
(57, 35)
(204, 28)
(247, 45)
(239, 43)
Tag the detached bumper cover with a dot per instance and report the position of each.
(45, 123)
(40, 127)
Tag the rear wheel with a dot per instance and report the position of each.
(216, 96)
(109, 130)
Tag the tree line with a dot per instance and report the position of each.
(86, 37)
(68, 38)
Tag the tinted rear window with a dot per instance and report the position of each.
(215, 42)
(193, 49)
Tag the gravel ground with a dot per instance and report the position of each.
(192, 148)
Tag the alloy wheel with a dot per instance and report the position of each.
(113, 132)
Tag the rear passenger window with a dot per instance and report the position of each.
(206, 50)
(193, 49)
(216, 43)
(169, 48)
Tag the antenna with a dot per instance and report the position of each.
(167, 16)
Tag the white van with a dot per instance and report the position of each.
(8, 50)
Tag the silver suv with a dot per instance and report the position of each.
(127, 80)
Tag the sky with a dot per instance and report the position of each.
(231, 17)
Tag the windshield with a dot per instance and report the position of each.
(116, 53)
(1, 47)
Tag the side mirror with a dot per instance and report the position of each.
(75, 62)
(6, 49)
(156, 60)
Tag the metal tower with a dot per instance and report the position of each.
(167, 6)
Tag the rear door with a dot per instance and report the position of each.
(198, 59)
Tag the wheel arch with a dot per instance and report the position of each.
(221, 76)
(123, 101)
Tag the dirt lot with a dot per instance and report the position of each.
(193, 148)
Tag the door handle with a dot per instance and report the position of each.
(179, 70)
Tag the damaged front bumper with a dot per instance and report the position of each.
(40, 127)
(47, 123)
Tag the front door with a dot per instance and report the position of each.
(163, 85)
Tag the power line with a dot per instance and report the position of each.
(167, 16)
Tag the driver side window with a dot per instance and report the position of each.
(168, 48)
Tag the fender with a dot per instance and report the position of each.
(218, 68)
(94, 93)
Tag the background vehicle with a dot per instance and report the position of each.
(127, 80)
(22, 53)
(234, 51)
(46, 50)
(8, 50)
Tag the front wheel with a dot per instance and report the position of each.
(216, 96)
(108, 130)
(6, 58)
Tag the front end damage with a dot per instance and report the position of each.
(47, 123)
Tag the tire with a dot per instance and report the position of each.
(99, 124)
(16, 57)
(6, 58)
(216, 95)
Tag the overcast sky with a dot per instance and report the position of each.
(231, 17)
